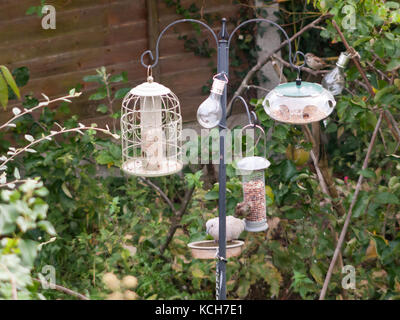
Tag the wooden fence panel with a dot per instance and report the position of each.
(95, 33)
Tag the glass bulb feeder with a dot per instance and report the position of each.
(335, 80)
(253, 183)
(209, 113)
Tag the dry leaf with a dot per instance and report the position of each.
(371, 252)
(132, 250)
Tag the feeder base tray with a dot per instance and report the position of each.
(256, 226)
(134, 167)
(207, 249)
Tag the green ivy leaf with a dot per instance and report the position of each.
(360, 205)
(317, 273)
(121, 93)
(393, 64)
(93, 78)
(367, 173)
(8, 217)
(119, 77)
(3, 92)
(31, 10)
(280, 132)
(102, 108)
(243, 289)
(21, 76)
(48, 227)
(383, 92)
(288, 170)
(10, 80)
(100, 95)
(386, 198)
(198, 273)
(28, 251)
(104, 158)
(66, 190)
(212, 195)
(294, 214)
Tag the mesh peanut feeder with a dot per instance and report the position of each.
(151, 127)
(253, 183)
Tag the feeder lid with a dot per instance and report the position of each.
(253, 163)
(305, 89)
(150, 89)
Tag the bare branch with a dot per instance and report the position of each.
(12, 184)
(65, 290)
(9, 123)
(349, 214)
(54, 133)
(177, 219)
(159, 191)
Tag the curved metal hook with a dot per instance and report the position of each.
(151, 57)
(298, 67)
(255, 119)
(256, 126)
(162, 33)
(253, 114)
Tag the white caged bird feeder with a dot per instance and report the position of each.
(299, 102)
(151, 128)
(252, 170)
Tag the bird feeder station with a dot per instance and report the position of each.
(299, 103)
(151, 127)
(252, 170)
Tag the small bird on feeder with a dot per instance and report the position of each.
(234, 227)
(315, 62)
(242, 209)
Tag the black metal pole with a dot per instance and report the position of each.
(223, 67)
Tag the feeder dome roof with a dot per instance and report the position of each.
(253, 163)
(305, 89)
(150, 89)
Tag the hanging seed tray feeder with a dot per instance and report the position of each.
(207, 249)
(299, 102)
